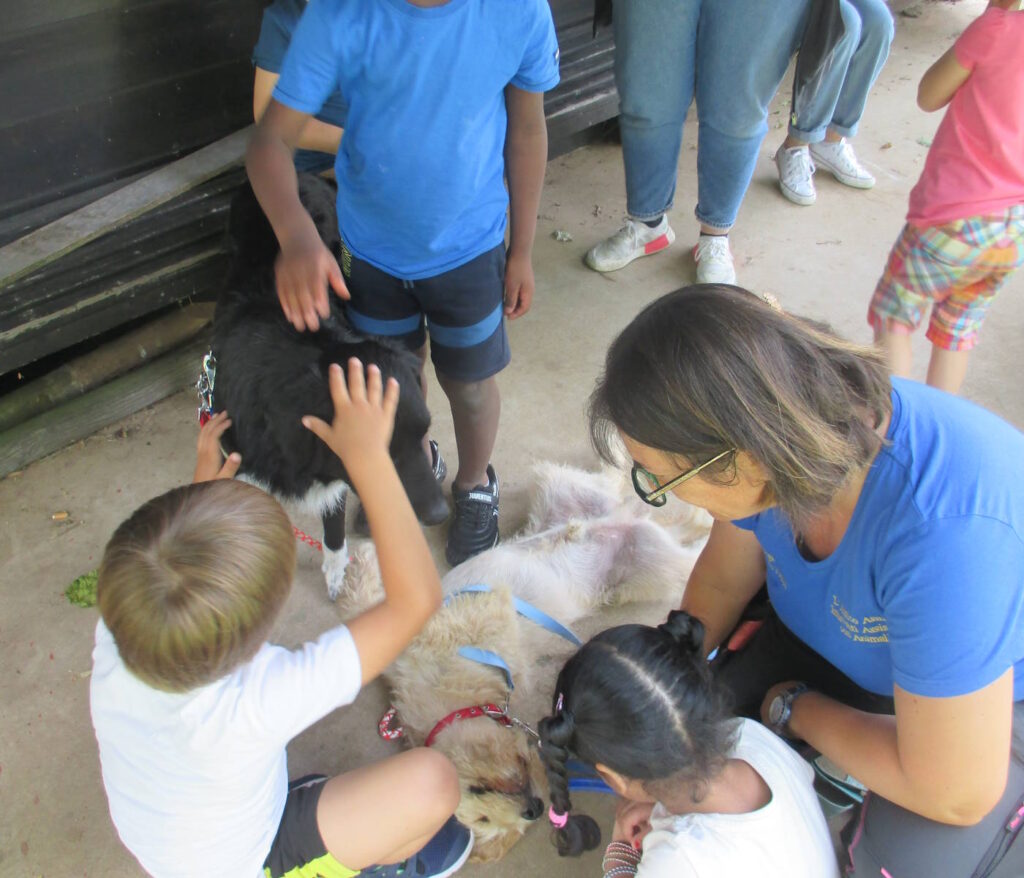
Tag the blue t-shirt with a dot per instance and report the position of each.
(926, 588)
(276, 28)
(421, 168)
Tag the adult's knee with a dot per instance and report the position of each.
(433, 773)
(876, 25)
(852, 28)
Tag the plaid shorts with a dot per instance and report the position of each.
(959, 267)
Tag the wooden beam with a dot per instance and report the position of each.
(52, 241)
(55, 429)
(107, 362)
(197, 277)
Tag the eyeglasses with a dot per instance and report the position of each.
(650, 491)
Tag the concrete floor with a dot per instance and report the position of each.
(821, 261)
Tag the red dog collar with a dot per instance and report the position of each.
(491, 711)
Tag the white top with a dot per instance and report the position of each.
(197, 781)
(787, 838)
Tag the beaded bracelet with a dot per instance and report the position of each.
(616, 860)
(620, 871)
(620, 854)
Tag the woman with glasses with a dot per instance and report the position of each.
(886, 520)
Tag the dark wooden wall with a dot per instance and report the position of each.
(95, 92)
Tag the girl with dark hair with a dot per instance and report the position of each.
(702, 792)
(887, 520)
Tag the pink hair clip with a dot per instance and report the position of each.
(557, 820)
(559, 703)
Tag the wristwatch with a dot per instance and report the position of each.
(781, 707)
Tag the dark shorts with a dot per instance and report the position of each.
(462, 310)
(883, 839)
(298, 850)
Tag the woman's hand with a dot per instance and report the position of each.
(632, 822)
(210, 463)
(364, 414)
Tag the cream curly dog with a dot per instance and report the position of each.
(589, 543)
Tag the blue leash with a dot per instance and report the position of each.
(486, 657)
(526, 610)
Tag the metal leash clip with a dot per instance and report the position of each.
(204, 388)
(511, 719)
(521, 724)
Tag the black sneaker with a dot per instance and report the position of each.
(475, 526)
(443, 855)
(361, 527)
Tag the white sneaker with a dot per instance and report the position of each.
(796, 174)
(714, 261)
(633, 240)
(840, 159)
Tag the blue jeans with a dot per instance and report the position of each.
(840, 95)
(731, 55)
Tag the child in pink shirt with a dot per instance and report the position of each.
(965, 226)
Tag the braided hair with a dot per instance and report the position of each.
(639, 700)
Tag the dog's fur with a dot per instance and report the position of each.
(588, 544)
(269, 375)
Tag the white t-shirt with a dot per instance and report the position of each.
(197, 781)
(787, 838)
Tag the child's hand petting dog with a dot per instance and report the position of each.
(364, 415)
(210, 463)
(304, 272)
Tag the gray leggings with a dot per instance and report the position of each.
(884, 840)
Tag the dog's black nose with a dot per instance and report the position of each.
(534, 808)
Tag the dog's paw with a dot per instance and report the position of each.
(361, 587)
(334, 567)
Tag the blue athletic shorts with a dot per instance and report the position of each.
(462, 310)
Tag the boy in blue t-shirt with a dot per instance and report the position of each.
(445, 100)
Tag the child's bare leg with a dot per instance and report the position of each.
(946, 369)
(476, 407)
(386, 812)
(898, 351)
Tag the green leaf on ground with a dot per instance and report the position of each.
(82, 591)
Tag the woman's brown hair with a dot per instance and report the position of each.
(713, 367)
(190, 584)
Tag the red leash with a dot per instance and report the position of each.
(307, 539)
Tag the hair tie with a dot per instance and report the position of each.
(557, 820)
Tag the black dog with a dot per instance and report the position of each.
(269, 375)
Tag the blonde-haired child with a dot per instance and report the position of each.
(965, 226)
(193, 708)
